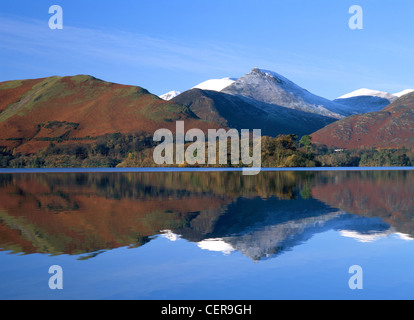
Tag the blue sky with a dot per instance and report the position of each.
(173, 45)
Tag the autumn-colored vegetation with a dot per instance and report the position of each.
(136, 150)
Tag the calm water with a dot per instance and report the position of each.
(207, 235)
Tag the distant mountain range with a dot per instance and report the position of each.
(267, 100)
(35, 112)
(289, 95)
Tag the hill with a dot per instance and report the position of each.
(35, 112)
(392, 127)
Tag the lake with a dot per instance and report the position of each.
(207, 235)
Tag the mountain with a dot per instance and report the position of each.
(237, 112)
(365, 100)
(169, 95)
(392, 127)
(262, 100)
(273, 89)
(215, 84)
(80, 108)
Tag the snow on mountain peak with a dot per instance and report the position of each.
(366, 100)
(170, 95)
(215, 84)
(375, 93)
(278, 77)
(370, 93)
(404, 92)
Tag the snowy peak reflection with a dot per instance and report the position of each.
(265, 228)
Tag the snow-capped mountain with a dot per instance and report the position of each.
(170, 95)
(368, 92)
(366, 100)
(215, 84)
(267, 100)
(265, 88)
(272, 239)
(273, 89)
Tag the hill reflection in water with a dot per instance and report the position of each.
(261, 216)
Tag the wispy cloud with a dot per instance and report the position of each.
(35, 38)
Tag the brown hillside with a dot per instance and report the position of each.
(32, 112)
(392, 127)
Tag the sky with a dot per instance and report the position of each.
(164, 45)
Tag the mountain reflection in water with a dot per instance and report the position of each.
(261, 216)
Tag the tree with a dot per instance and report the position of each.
(306, 142)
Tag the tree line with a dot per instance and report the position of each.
(136, 150)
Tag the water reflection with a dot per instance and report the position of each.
(261, 216)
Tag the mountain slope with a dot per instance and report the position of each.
(392, 127)
(35, 112)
